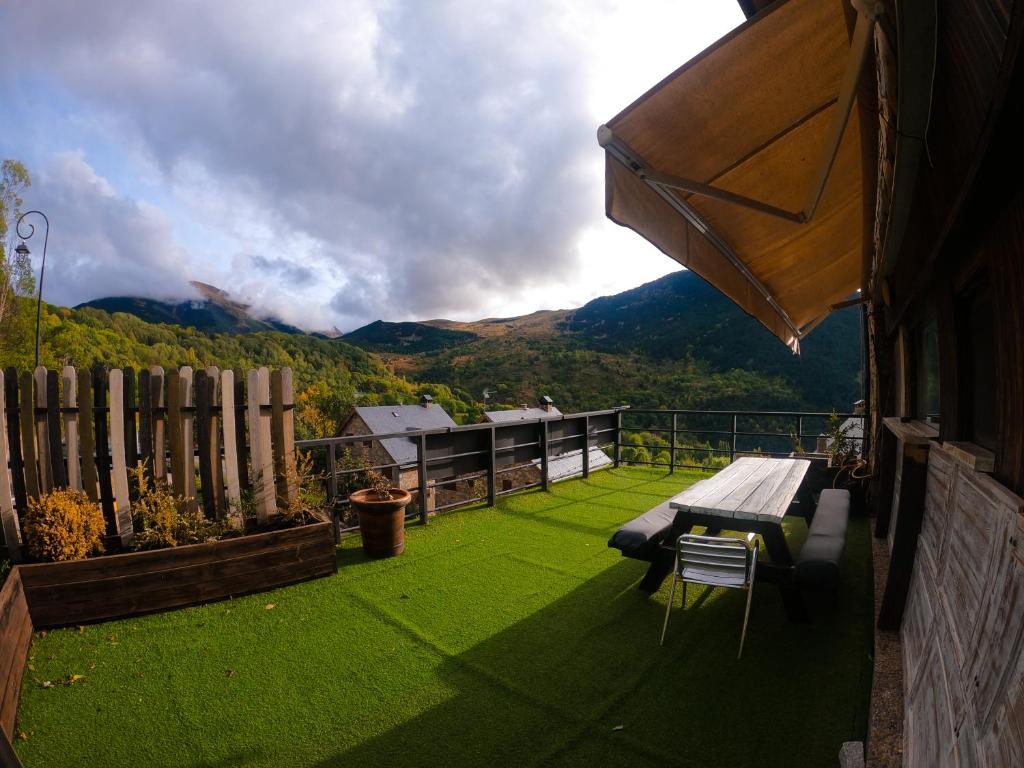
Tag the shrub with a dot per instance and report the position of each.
(63, 525)
(162, 519)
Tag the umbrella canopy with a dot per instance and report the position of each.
(743, 165)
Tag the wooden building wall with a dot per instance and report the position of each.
(963, 619)
(963, 631)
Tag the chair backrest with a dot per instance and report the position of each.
(717, 559)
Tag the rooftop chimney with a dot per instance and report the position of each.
(547, 403)
(426, 401)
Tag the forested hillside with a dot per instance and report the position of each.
(330, 375)
(674, 342)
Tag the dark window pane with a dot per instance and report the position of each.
(926, 371)
(977, 361)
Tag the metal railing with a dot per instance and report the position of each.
(479, 454)
(472, 453)
(722, 436)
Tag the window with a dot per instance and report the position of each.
(926, 371)
(977, 363)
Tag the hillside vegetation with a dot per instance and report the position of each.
(330, 375)
(674, 342)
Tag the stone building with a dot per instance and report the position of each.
(397, 455)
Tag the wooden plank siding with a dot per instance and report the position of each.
(8, 514)
(15, 635)
(963, 630)
(130, 584)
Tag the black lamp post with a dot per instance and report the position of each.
(22, 250)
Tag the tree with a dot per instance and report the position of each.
(16, 280)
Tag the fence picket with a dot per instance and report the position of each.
(282, 402)
(87, 434)
(100, 412)
(71, 426)
(174, 434)
(8, 515)
(146, 422)
(228, 414)
(131, 439)
(241, 450)
(28, 436)
(118, 457)
(41, 429)
(159, 405)
(13, 438)
(204, 397)
(55, 454)
(188, 439)
(218, 467)
(259, 444)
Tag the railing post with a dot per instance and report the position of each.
(586, 447)
(492, 469)
(332, 490)
(672, 448)
(618, 438)
(800, 433)
(544, 454)
(732, 450)
(421, 458)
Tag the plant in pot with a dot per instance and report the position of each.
(381, 510)
(847, 468)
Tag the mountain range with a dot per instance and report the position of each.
(677, 320)
(213, 312)
(673, 342)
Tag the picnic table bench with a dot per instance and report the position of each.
(752, 494)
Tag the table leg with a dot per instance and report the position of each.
(778, 552)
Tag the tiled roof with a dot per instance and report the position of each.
(521, 414)
(385, 419)
(571, 464)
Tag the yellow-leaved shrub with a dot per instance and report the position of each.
(63, 525)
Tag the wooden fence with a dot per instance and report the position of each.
(215, 437)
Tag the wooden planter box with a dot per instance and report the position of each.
(134, 583)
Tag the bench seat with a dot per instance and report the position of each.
(817, 566)
(640, 538)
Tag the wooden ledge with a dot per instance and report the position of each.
(915, 432)
(971, 456)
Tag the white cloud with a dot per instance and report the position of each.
(102, 244)
(418, 159)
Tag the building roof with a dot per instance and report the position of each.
(521, 414)
(386, 419)
(570, 464)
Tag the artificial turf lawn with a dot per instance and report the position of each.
(509, 636)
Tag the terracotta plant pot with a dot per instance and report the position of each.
(381, 521)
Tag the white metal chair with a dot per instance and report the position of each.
(715, 561)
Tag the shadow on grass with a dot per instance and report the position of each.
(583, 682)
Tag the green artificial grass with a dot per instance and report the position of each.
(509, 636)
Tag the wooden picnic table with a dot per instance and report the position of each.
(752, 494)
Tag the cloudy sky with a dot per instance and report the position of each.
(336, 161)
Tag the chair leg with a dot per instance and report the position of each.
(668, 607)
(746, 618)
